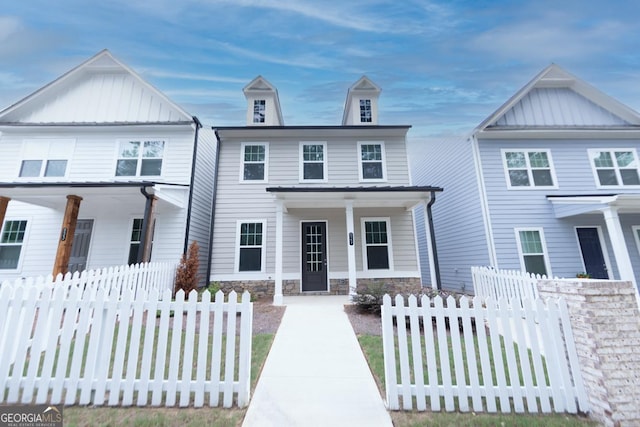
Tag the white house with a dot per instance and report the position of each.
(99, 168)
(549, 184)
(314, 208)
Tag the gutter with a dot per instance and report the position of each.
(145, 221)
(191, 182)
(433, 239)
(213, 203)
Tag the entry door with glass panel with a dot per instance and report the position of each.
(314, 256)
(80, 247)
(592, 254)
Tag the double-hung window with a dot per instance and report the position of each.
(45, 158)
(136, 239)
(254, 162)
(259, 107)
(313, 162)
(615, 168)
(250, 255)
(140, 158)
(365, 111)
(531, 246)
(11, 241)
(377, 243)
(371, 161)
(528, 168)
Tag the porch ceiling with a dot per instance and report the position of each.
(566, 206)
(98, 195)
(335, 197)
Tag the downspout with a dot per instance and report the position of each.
(213, 203)
(145, 221)
(432, 232)
(191, 182)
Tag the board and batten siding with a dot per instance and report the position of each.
(529, 208)
(461, 238)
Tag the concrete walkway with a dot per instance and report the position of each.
(315, 373)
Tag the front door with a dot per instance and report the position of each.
(80, 248)
(314, 256)
(592, 254)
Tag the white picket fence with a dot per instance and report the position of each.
(483, 357)
(115, 280)
(508, 284)
(133, 349)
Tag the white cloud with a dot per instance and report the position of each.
(9, 26)
(190, 76)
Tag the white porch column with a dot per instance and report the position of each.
(277, 297)
(618, 244)
(351, 248)
(432, 264)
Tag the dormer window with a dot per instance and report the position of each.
(259, 106)
(365, 111)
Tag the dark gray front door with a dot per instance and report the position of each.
(592, 252)
(80, 248)
(314, 256)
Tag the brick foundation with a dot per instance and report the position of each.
(605, 320)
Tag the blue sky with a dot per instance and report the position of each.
(443, 66)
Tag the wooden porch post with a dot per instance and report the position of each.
(4, 202)
(147, 229)
(65, 243)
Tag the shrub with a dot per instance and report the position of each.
(187, 271)
(369, 300)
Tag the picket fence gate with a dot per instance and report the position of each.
(520, 353)
(509, 284)
(130, 350)
(135, 277)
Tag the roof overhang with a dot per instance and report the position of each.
(609, 132)
(406, 197)
(566, 206)
(263, 132)
(99, 195)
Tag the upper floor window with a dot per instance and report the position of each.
(371, 161)
(140, 158)
(365, 111)
(377, 243)
(11, 241)
(529, 168)
(254, 162)
(259, 107)
(531, 246)
(313, 164)
(250, 248)
(614, 168)
(44, 158)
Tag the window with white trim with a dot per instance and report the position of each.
(45, 158)
(259, 108)
(254, 161)
(636, 235)
(528, 168)
(371, 161)
(531, 246)
(365, 111)
(377, 243)
(313, 164)
(140, 158)
(615, 168)
(250, 255)
(11, 241)
(136, 236)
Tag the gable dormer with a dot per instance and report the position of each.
(361, 107)
(263, 104)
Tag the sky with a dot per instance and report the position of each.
(443, 66)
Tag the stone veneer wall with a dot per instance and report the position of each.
(265, 288)
(605, 320)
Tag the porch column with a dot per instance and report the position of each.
(351, 248)
(618, 244)
(61, 264)
(277, 296)
(146, 235)
(427, 231)
(4, 203)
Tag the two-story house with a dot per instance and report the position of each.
(314, 208)
(549, 184)
(98, 169)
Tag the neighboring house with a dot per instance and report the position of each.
(314, 208)
(99, 169)
(547, 184)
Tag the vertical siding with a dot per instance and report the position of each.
(457, 215)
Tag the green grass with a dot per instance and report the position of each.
(372, 348)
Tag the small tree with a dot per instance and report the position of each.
(187, 271)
